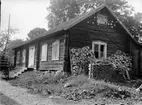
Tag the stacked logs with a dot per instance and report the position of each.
(80, 59)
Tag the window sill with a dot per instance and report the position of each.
(55, 59)
(43, 61)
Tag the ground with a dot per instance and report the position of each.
(6, 100)
(63, 90)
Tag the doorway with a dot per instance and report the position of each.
(31, 56)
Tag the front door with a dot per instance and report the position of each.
(31, 56)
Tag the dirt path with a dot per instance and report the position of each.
(21, 96)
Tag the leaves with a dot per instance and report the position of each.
(5, 36)
(64, 10)
(36, 32)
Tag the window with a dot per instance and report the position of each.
(23, 56)
(18, 57)
(102, 19)
(44, 52)
(99, 49)
(55, 50)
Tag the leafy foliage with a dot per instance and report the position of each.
(61, 11)
(12, 44)
(5, 36)
(64, 10)
(36, 32)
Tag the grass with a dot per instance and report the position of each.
(75, 87)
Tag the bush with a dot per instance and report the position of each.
(104, 72)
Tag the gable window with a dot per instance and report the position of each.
(102, 19)
(55, 50)
(44, 52)
(99, 49)
(23, 56)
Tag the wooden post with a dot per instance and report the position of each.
(27, 56)
(15, 57)
(38, 57)
(90, 69)
(66, 54)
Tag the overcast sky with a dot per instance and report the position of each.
(29, 14)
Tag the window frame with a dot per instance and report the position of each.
(57, 42)
(99, 43)
(41, 57)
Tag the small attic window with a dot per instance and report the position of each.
(102, 19)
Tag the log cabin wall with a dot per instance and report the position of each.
(53, 64)
(88, 30)
(43, 65)
(136, 52)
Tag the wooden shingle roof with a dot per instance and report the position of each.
(67, 25)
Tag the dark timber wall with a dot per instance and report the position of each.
(51, 64)
(88, 30)
(44, 65)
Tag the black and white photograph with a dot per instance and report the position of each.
(70, 52)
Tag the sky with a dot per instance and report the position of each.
(26, 15)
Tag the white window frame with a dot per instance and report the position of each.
(99, 43)
(24, 56)
(44, 50)
(55, 46)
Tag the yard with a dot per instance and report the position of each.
(78, 88)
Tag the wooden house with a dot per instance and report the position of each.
(99, 28)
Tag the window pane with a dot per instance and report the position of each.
(96, 47)
(96, 54)
(102, 48)
(44, 52)
(55, 50)
(102, 55)
(18, 57)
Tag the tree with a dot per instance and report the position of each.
(5, 36)
(61, 11)
(12, 44)
(36, 32)
(64, 10)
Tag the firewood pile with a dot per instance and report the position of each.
(80, 59)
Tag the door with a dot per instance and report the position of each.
(31, 56)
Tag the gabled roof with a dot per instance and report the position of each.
(78, 19)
